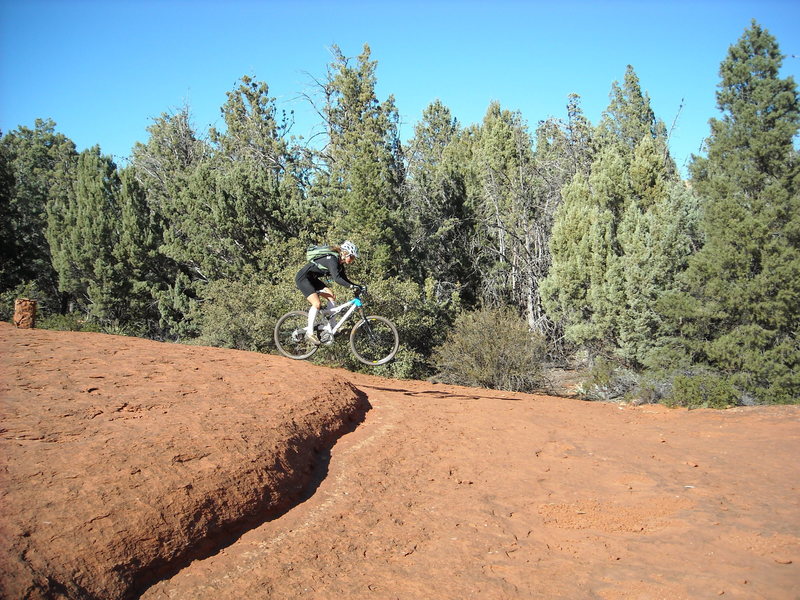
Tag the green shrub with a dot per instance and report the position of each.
(69, 322)
(422, 320)
(702, 390)
(606, 380)
(492, 348)
(242, 314)
(130, 329)
(647, 391)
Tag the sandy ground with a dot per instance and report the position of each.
(450, 492)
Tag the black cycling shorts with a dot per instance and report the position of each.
(309, 283)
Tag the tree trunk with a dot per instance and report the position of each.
(25, 313)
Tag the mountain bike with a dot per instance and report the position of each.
(373, 340)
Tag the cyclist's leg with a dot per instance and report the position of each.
(314, 300)
(329, 296)
(310, 287)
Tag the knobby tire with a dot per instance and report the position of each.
(289, 336)
(374, 340)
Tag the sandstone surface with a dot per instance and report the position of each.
(137, 469)
(124, 459)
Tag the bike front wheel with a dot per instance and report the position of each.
(374, 340)
(290, 336)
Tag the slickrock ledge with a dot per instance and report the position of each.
(123, 460)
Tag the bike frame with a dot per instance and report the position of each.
(350, 306)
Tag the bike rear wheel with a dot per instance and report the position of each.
(374, 340)
(290, 336)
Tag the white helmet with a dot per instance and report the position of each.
(349, 248)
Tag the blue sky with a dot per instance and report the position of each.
(102, 70)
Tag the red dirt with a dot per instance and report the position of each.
(132, 468)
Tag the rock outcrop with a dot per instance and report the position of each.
(126, 461)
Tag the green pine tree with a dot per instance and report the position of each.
(504, 202)
(629, 117)
(163, 169)
(258, 179)
(10, 250)
(563, 149)
(361, 181)
(612, 258)
(38, 167)
(437, 216)
(137, 251)
(739, 312)
(83, 235)
(243, 198)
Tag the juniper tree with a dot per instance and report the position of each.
(246, 208)
(505, 200)
(10, 266)
(611, 261)
(166, 161)
(629, 116)
(163, 167)
(563, 149)
(739, 312)
(437, 216)
(583, 287)
(138, 253)
(362, 175)
(83, 234)
(244, 197)
(38, 168)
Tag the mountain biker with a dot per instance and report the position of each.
(309, 282)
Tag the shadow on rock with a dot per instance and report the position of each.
(308, 469)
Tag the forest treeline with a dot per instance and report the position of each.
(496, 248)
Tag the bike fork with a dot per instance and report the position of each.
(367, 325)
